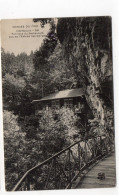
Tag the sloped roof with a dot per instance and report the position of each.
(68, 93)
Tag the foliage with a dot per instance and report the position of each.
(61, 74)
(18, 90)
(51, 134)
(48, 46)
(54, 74)
(68, 121)
(57, 132)
(44, 21)
(21, 148)
(12, 91)
(22, 151)
(14, 147)
(84, 25)
(29, 139)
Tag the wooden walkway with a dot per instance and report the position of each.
(106, 166)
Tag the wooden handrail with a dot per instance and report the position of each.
(44, 162)
(20, 182)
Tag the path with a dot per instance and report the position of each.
(106, 166)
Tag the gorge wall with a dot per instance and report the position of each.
(87, 47)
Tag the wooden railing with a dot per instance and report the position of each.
(57, 110)
(62, 169)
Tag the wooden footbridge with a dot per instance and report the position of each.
(92, 178)
(87, 163)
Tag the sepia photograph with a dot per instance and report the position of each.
(58, 103)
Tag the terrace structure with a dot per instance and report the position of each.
(69, 98)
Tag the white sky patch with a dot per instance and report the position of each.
(29, 35)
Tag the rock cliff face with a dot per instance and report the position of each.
(87, 47)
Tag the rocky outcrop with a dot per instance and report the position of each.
(87, 47)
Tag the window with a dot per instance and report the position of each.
(55, 104)
(68, 103)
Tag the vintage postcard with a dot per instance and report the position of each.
(58, 111)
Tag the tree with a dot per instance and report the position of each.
(14, 147)
(68, 121)
(61, 74)
(51, 135)
(12, 92)
(57, 133)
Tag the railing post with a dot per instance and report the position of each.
(94, 148)
(85, 152)
(27, 182)
(27, 185)
(69, 170)
(55, 172)
(101, 146)
(79, 153)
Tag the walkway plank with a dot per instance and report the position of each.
(106, 166)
